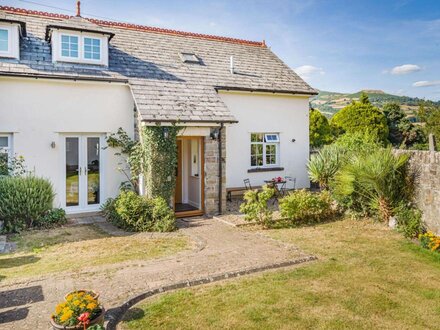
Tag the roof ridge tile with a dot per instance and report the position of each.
(137, 27)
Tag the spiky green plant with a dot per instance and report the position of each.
(376, 181)
(324, 165)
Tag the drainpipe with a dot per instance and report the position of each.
(220, 169)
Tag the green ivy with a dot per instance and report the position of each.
(160, 160)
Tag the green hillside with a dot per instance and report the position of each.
(331, 102)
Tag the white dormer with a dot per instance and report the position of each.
(79, 47)
(10, 40)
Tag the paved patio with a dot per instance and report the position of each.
(219, 250)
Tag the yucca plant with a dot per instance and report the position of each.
(324, 165)
(376, 181)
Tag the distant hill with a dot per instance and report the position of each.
(331, 102)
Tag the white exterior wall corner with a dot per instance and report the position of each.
(287, 115)
(39, 112)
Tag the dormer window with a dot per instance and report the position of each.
(79, 47)
(9, 40)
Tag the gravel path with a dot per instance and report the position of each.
(218, 249)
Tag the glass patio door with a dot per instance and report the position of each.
(83, 172)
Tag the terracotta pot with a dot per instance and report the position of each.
(94, 294)
(99, 319)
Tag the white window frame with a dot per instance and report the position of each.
(7, 150)
(57, 55)
(264, 144)
(92, 52)
(13, 41)
(61, 47)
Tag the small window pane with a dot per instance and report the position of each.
(92, 49)
(256, 137)
(271, 154)
(4, 36)
(69, 46)
(271, 138)
(4, 142)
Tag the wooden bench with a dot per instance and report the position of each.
(229, 191)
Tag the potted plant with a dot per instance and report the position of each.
(94, 294)
(80, 310)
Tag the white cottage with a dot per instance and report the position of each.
(67, 82)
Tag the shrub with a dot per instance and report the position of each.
(430, 241)
(409, 221)
(139, 213)
(24, 200)
(319, 129)
(358, 142)
(255, 207)
(360, 117)
(304, 207)
(324, 165)
(374, 183)
(109, 211)
(52, 218)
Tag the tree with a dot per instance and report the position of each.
(430, 115)
(361, 117)
(319, 129)
(402, 133)
(363, 98)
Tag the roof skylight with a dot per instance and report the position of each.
(189, 58)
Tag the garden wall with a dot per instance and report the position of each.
(428, 192)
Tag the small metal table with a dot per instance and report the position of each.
(278, 186)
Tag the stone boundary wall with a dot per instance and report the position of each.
(428, 190)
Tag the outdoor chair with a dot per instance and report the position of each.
(287, 187)
(247, 184)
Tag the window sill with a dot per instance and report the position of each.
(265, 169)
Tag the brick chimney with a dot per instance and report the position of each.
(78, 8)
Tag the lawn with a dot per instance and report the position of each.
(76, 248)
(367, 277)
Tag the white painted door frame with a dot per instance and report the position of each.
(83, 205)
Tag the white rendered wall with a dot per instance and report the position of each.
(260, 113)
(39, 112)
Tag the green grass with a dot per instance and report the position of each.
(77, 248)
(367, 277)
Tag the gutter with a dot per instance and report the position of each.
(177, 121)
(263, 90)
(62, 77)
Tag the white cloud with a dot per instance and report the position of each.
(307, 71)
(425, 83)
(405, 69)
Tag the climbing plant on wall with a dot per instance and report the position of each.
(159, 146)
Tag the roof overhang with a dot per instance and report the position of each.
(51, 27)
(261, 90)
(63, 77)
(187, 122)
(21, 24)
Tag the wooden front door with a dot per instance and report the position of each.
(178, 194)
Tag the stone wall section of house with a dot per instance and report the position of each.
(212, 179)
(428, 189)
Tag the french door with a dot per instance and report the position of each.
(83, 175)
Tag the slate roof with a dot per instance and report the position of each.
(164, 88)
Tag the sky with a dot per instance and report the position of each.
(335, 45)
